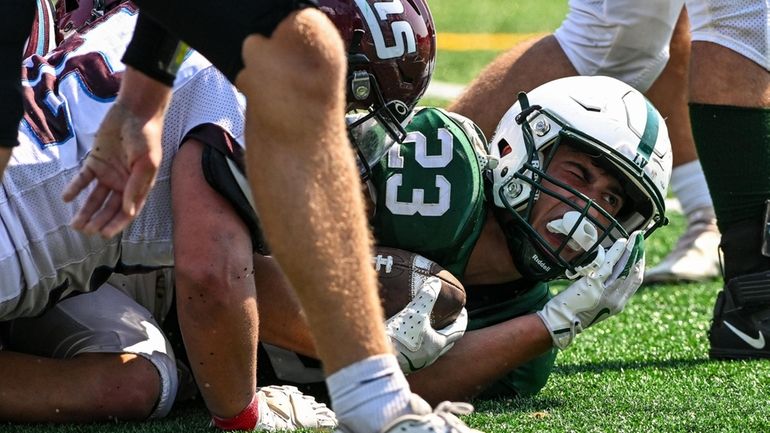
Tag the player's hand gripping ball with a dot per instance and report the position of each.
(402, 273)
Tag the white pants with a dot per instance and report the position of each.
(102, 321)
(740, 25)
(628, 39)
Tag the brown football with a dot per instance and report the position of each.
(401, 273)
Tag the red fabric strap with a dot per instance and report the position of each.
(245, 420)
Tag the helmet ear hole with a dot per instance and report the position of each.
(399, 108)
(355, 43)
(503, 147)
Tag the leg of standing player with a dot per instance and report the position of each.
(522, 68)
(318, 180)
(695, 256)
(306, 187)
(632, 48)
(215, 287)
(730, 111)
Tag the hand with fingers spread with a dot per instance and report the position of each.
(600, 293)
(124, 159)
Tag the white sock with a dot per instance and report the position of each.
(689, 186)
(369, 394)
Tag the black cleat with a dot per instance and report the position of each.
(740, 328)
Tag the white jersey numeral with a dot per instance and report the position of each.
(417, 204)
(403, 34)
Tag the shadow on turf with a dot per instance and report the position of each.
(505, 405)
(598, 367)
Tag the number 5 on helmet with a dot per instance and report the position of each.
(391, 48)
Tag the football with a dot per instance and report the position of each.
(401, 273)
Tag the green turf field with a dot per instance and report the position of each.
(645, 370)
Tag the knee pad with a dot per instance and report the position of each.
(169, 381)
(741, 26)
(624, 39)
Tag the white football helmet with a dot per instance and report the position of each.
(604, 117)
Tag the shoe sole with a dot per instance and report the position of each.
(737, 354)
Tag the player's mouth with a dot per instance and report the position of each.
(557, 240)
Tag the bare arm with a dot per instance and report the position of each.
(492, 351)
(124, 159)
(40, 389)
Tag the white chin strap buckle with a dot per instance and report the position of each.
(589, 269)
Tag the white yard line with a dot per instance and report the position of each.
(448, 91)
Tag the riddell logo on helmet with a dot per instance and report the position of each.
(541, 263)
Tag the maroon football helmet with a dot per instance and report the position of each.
(391, 46)
(74, 14)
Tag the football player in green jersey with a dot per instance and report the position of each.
(571, 183)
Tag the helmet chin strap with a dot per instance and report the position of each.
(533, 263)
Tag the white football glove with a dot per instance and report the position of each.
(417, 344)
(603, 291)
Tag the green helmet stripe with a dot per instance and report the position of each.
(650, 135)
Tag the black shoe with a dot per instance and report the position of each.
(740, 328)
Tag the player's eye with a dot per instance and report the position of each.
(613, 201)
(576, 172)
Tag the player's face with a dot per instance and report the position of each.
(582, 172)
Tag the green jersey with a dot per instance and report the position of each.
(429, 199)
(429, 192)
